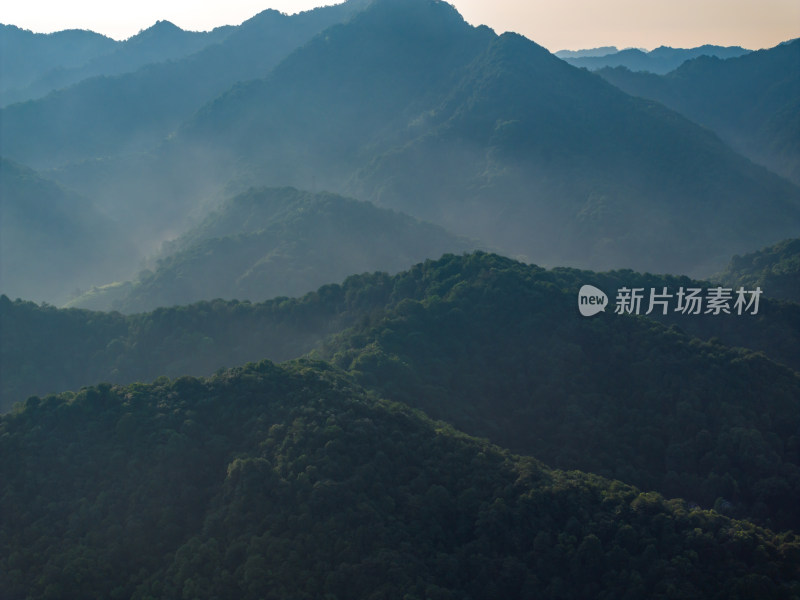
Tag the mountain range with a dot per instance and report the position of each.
(660, 60)
(116, 113)
(41, 63)
(490, 137)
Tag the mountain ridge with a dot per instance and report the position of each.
(660, 60)
(270, 242)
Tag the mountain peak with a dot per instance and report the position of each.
(158, 29)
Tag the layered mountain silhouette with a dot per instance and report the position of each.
(405, 105)
(162, 42)
(660, 60)
(752, 102)
(116, 113)
(26, 56)
(497, 348)
(599, 51)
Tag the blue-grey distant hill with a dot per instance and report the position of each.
(601, 51)
(495, 138)
(54, 240)
(404, 104)
(25, 56)
(752, 102)
(277, 242)
(659, 60)
(111, 113)
(161, 42)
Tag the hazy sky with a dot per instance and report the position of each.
(554, 24)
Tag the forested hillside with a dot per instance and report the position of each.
(504, 354)
(776, 269)
(499, 349)
(276, 482)
(45, 350)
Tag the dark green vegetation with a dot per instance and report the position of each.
(776, 269)
(497, 348)
(752, 102)
(290, 482)
(44, 349)
(660, 60)
(277, 242)
(53, 240)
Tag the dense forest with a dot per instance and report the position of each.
(775, 269)
(497, 348)
(44, 349)
(278, 482)
(504, 354)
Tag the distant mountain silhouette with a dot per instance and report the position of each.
(26, 56)
(120, 114)
(601, 51)
(161, 42)
(404, 104)
(659, 60)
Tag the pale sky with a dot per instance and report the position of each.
(554, 24)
